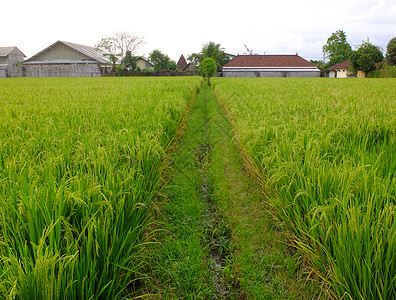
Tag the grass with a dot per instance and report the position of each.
(181, 267)
(83, 164)
(217, 241)
(325, 150)
(80, 167)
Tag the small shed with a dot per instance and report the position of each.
(11, 59)
(65, 59)
(341, 70)
(270, 66)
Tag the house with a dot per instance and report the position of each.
(340, 70)
(143, 63)
(183, 65)
(270, 66)
(64, 59)
(11, 59)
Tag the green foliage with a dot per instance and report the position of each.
(160, 60)
(147, 71)
(327, 154)
(80, 166)
(337, 48)
(195, 227)
(391, 52)
(365, 62)
(385, 72)
(172, 65)
(119, 69)
(212, 50)
(113, 60)
(366, 57)
(130, 61)
(318, 63)
(208, 67)
(107, 45)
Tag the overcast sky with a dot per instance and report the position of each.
(178, 27)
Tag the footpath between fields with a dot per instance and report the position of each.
(216, 239)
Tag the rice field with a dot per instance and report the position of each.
(81, 163)
(80, 168)
(326, 151)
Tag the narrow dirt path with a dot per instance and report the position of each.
(217, 241)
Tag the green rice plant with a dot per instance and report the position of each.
(80, 168)
(327, 152)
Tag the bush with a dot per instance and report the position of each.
(385, 72)
(366, 57)
(119, 70)
(147, 72)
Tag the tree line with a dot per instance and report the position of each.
(367, 57)
(121, 48)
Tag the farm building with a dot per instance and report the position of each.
(63, 59)
(270, 66)
(143, 63)
(183, 65)
(10, 62)
(340, 70)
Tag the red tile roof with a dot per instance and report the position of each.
(342, 65)
(264, 61)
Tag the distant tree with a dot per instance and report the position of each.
(160, 60)
(172, 65)
(212, 50)
(195, 59)
(337, 48)
(113, 60)
(120, 43)
(129, 60)
(366, 57)
(391, 52)
(318, 63)
(107, 45)
(209, 67)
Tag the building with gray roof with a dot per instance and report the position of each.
(64, 59)
(11, 59)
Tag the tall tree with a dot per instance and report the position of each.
(337, 48)
(120, 43)
(161, 61)
(211, 50)
(391, 52)
(366, 57)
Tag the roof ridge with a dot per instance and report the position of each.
(269, 61)
(341, 65)
(88, 51)
(10, 48)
